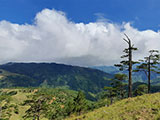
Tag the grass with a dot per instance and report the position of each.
(17, 100)
(146, 107)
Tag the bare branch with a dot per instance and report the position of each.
(126, 40)
(127, 37)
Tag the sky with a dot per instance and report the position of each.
(77, 32)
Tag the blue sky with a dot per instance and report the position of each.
(143, 14)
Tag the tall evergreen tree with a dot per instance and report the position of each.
(117, 88)
(140, 90)
(120, 85)
(150, 63)
(112, 92)
(127, 64)
(79, 103)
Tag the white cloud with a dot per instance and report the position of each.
(53, 38)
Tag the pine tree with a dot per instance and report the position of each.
(79, 103)
(149, 64)
(140, 90)
(112, 92)
(117, 88)
(120, 85)
(127, 64)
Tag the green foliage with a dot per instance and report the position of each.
(111, 93)
(6, 108)
(79, 103)
(149, 61)
(55, 104)
(119, 84)
(16, 110)
(36, 103)
(149, 64)
(49, 103)
(141, 90)
(117, 88)
(37, 107)
(12, 93)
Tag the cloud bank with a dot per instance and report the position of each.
(54, 38)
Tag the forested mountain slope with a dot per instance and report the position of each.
(52, 75)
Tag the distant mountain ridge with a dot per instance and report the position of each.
(107, 69)
(53, 75)
(137, 76)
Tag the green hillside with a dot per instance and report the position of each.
(52, 75)
(25, 103)
(146, 107)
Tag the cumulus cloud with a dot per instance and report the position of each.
(54, 38)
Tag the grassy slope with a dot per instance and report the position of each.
(146, 107)
(18, 99)
(11, 100)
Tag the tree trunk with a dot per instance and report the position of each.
(0, 112)
(130, 71)
(37, 117)
(149, 74)
(111, 101)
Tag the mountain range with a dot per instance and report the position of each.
(136, 76)
(89, 80)
(53, 75)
